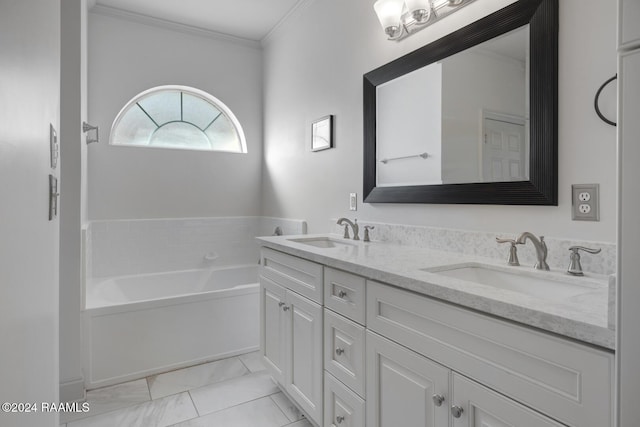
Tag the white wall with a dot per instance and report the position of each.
(29, 102)
(126, 58)
(314, 64)
(472, 82)
(409, 122)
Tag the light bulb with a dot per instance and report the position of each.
(420, 9)
(389, 13)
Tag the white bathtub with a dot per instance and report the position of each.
(135, 326)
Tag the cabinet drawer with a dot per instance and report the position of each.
(297, 274)
(570, 382)
(342, 407)
(344, 293)
(344, 350)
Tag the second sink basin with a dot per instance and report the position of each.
(322, 242)
(536, 284)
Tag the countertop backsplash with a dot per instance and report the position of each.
(484, 244)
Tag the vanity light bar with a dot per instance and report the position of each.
(402, 18)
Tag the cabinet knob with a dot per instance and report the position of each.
(339, 351)
(456, 411)
(286, 308)
(438, 399)
(280, 304)
(339, 419)
(342, 294)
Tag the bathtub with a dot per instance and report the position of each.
(135, 326)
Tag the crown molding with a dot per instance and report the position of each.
(298, 7)
(175, 26)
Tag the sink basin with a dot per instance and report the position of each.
(536, 284)
(322, 242)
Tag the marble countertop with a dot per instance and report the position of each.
(583, 317)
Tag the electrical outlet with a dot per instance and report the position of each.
(584, 208)
(353, 201)
(585, 202)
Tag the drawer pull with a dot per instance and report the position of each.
(438, 399)
(339, 419)
(286, 308)
(280, 304)
(339, 351)
(456, 411)
(342, 294)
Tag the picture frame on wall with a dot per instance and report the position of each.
(322, 133)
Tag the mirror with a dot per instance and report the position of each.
(470, 118)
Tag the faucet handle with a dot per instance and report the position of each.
(513, 251)
(575, 249)
(575, 268)
(366, 232)
(346, 231)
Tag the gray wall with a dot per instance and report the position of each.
(313, 66)
(126, 58)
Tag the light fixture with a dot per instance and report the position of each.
(401, 18)
(389, 14)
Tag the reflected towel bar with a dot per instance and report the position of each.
(423, 155)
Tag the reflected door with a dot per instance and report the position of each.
(503, 151)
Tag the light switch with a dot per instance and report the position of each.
(53, 197)
(353, 201)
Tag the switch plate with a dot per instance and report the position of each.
(585, 202)
(353, 201)
(54, 148)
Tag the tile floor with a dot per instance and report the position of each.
(233, 392)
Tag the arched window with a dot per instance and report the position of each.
(178, 117)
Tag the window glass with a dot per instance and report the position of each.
(178, 117)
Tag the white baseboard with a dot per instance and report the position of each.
(72, 391)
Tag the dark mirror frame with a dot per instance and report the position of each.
(542, 187)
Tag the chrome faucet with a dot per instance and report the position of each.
(541, 249)
(354, 227)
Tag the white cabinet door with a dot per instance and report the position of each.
(403, 387)
(303, 378)
(476, 406)
(273, 324)
(628, 347)
(629, 29)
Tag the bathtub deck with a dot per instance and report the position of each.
(233, 392)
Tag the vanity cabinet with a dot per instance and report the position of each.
(408, 387)
(354, 352)
(564, 380)
(291, 328)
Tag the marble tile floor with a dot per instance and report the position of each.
(233, 392)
